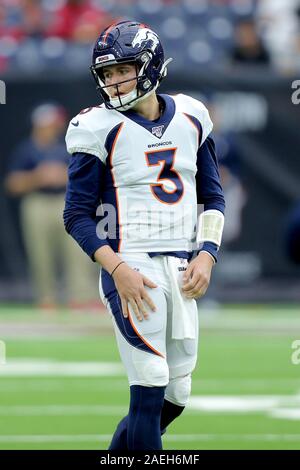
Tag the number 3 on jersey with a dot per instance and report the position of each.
(166, 158)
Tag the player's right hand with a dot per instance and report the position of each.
(130, 285)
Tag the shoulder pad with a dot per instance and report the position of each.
(197, 109)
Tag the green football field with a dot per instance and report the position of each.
(63, 386)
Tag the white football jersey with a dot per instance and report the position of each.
(151, 168)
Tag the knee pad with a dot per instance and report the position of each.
(151, 370)
(179, 390)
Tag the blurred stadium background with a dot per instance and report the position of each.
(62, 385)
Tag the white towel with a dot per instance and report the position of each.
(184, 317)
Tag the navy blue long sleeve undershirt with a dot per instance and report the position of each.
(208, 185)
(83, 196)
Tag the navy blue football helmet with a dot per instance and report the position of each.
(129, 42)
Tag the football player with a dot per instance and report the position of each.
(141, 163)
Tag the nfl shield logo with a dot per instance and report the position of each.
(157, 131)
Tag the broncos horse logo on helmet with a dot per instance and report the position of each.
(129, 42)
(146, 35)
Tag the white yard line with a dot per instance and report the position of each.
(59, 383)
(34, 367)
(241, 403)
(286, 413)
(168, 437)
(274, 406)
(30, 368)
(114, 383)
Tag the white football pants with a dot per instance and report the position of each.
(149, 353)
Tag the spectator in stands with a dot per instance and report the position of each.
(79, 21)
(26, 19)
(277, 21)
(3, 31)
(76, 20)
(34, 21)
(249, 48)
(38, 174)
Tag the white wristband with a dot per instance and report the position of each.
(210, 227)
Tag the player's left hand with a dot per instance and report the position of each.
(197, 276)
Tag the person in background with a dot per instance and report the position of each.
(25, 19)
(38, 174)
(278, 25)
(78, 21)
(249, 48)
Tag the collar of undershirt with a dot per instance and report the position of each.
(168, 110)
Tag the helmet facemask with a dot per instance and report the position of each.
(144, 86)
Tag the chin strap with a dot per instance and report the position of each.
(132, 98)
